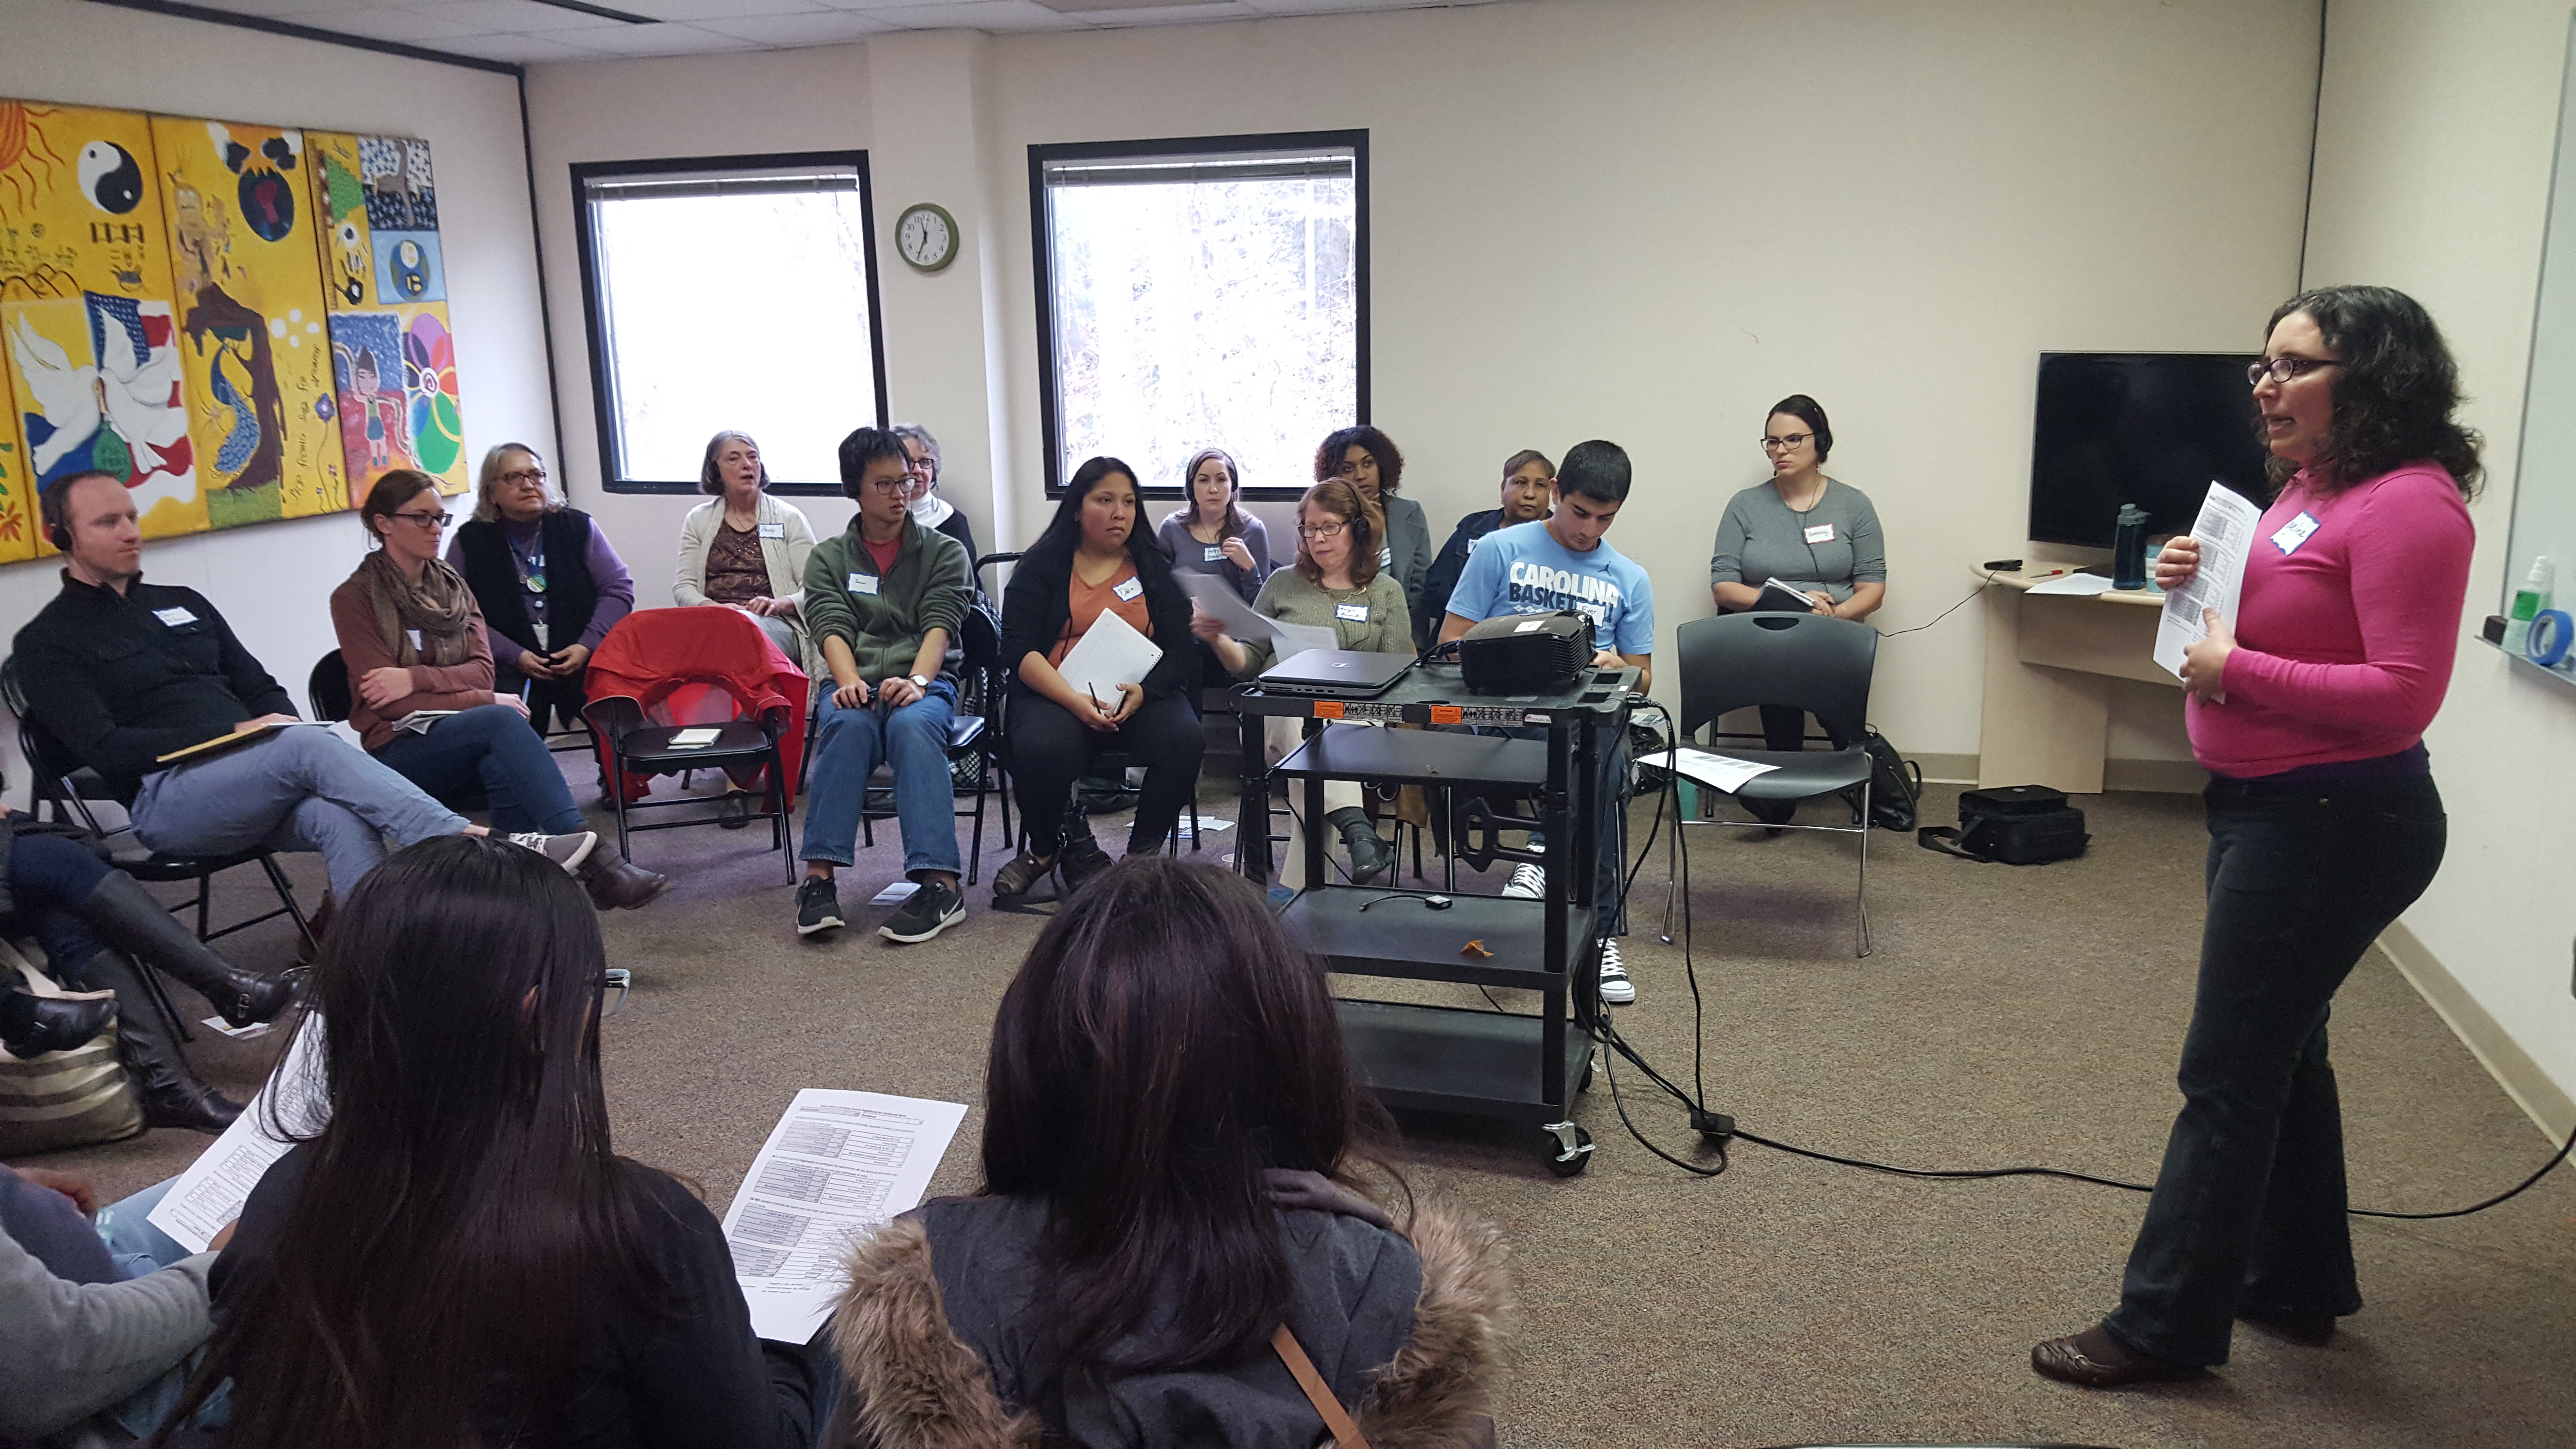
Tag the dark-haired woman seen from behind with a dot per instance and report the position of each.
(459, 1256)
(1367, 460)
(1170, 1150)
(2324, 825)
(414, 643)
(1095, 558)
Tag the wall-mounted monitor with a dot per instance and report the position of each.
(2149, 428)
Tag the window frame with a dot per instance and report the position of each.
(1042, 264)
(586, 245)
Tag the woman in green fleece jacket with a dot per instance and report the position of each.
(1335, 584)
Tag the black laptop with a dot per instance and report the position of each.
(1336, 674)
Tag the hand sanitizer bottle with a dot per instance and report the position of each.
(2528, 601)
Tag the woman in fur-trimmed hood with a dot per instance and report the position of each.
(1169, 1216)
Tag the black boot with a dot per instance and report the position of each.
(172, 1095)
(1370, 854)
(32, 1025)
(126, 917)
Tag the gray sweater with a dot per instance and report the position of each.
(1759, 539)
(68, 1350)
(1293, 598)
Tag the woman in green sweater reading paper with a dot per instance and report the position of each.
(1335, 584)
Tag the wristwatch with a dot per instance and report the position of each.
(920, 683)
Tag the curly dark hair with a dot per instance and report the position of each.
(1390, 463)
(2393, 394)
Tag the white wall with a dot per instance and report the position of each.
(2437, 131)
(272, 580)
(1643, 220)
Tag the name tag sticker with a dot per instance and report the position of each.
(2294, 533)
(174, 616)
(1386, 557)
(1821, 533)
(1215, 553)
(1356, 613)
(773, 530)
(414, 636)
(1128, 591)
(867, 584)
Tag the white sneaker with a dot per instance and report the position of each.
(1616, 988)
(1528, 883)
(568, 851)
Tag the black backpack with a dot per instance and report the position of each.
(1895, 784)
(2018, 825)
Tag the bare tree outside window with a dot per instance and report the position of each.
(1202, 298)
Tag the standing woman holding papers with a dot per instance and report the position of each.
(2323, 825)
(1095, 560)
(414, 644)
(1337, 585)
(459, 1256)
(1815, 535)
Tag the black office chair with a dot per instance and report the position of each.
(64, 791)
(636, 746)
(1809, 662)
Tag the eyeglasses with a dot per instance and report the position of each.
(1779, 444)
(2283, 369)
(1321, 530)
(613, 985)
(900, 483)
(524, 476)
(426, 522)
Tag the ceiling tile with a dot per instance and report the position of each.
(1344, 7)
(295, 10)
(384, 22)
(830, 27)
(502, 17)
(517, 49)
(616, 39)
(972, 15)
(1186, 14)
(694, 11)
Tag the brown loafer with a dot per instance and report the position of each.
(617, 884)
(2094, 1359)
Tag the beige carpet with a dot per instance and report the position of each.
(2009, 1016)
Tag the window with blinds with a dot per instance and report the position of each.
(729, 294)
(1201, 293)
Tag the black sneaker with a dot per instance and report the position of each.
(932, 908)
(1081, 860)
(818, 906)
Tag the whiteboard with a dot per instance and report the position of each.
(2544, 485)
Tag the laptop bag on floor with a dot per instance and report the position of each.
(2017, 825)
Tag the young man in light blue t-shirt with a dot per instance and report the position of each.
(1562, 562)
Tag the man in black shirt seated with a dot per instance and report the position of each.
(124, 673)
(1527, 475)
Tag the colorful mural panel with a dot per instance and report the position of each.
(17, 499)
(393, 360)
(87, 319)
(247, 265)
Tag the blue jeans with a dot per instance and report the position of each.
(297, 789)
(494, 748)
(849, 744)
(1611, 779)
(49, 877)
(2249, 1205)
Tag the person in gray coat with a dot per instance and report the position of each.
(1368, 460)
(80, 1340)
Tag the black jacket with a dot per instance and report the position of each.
(122, 679)
(1038, 602)
(572, 595)
(1441, 580)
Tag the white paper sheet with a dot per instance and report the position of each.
(899, 891)
(1782, 594)
(2081, 586)
(1725, 772)
(837, 1167)
(2225, 529)
(1109, 654)
(1215, 597)
(211, 1192)
(1295, 639)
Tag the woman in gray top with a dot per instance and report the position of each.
(1816, 535)
(1367, 460)
(1335, 584)
(1212, 534)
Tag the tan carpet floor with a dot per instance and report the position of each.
(2009, 1016)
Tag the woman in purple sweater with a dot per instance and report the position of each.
(2323, 825)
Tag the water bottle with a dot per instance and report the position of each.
(2129, 549)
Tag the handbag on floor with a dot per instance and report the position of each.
(2018, 825)
(63, 1099)
(1895, 784)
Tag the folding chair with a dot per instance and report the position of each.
(970, 740)
(327, 690)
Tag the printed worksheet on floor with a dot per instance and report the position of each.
(837, 1167)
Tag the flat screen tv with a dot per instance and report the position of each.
(2149, 428)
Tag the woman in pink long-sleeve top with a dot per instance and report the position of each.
(2323, 825)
